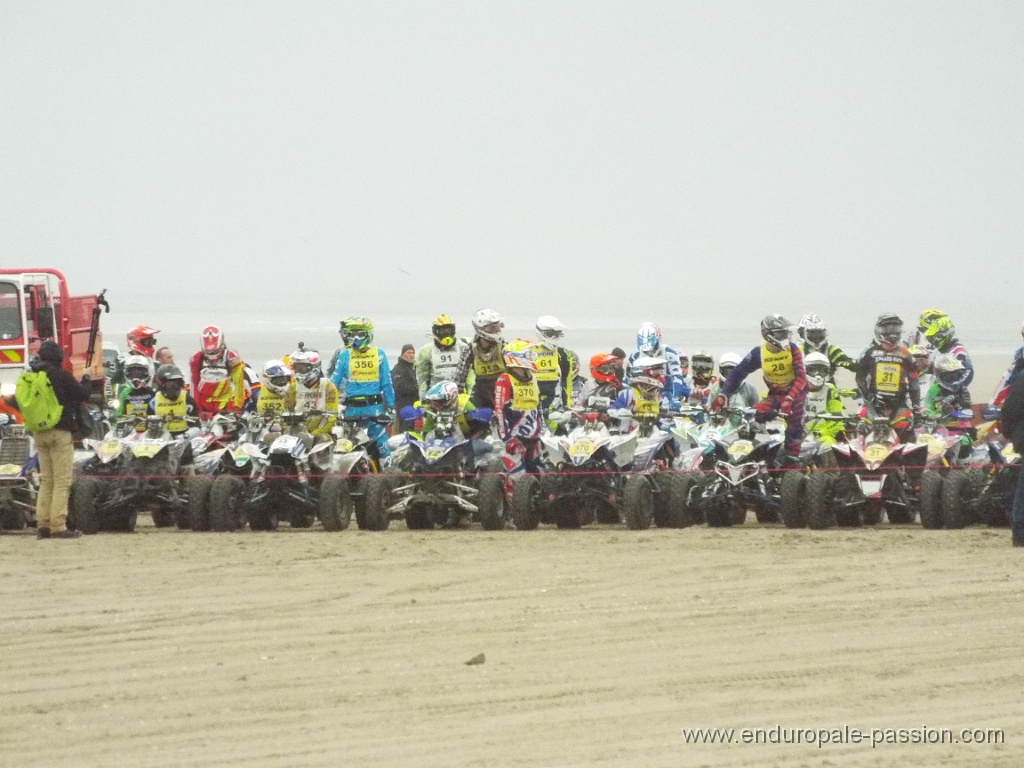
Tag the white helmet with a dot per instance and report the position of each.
(813, 332)
(488, 324)
(550, 328)
(276, 376)
(818, 370)
(138, 370)
(726, 363)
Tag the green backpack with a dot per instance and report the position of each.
(37, 401)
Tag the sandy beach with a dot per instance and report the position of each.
(171, 648)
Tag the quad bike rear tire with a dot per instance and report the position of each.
(931, 500)
(225, 506)
(523, 506)
(821, 504)
(335, 503)
(490, 502)
(793, 500)
(198, 505)
(638, 503)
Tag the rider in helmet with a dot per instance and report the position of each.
(276, 394)
(172, 401)
(947, 394)
(822, 398)
(648, 344)
(924, 322)
(344, 345)
(782, 364)
(445, 395)
(606, 375)
(703, 378)
(887, 377)
(133, 399)
(745, 395)
(814, 335)
(313, 391)
(363, 380)
(517, 407)
(643, 395)
(482, 363)
(942, 336)
(218, 375)
(140, 340)
(556, 365)
(439, 359)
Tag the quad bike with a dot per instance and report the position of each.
(739, 473)
(447, 479)
(874, 472)
(355, 459)
(981, 487)
(288, 472)
(952, 479)
(123, 475)
(591, 474)
(19, 475)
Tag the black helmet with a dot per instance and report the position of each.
(167, 373)
(888, 328)
(775, 330)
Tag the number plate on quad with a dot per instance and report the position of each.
(6, 470)
(582, 447)
(876, 452)
(740, 448)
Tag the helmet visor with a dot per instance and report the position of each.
(890, 332)
(815, 336)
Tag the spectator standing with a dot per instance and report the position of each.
(56, 447)
(403, 377)
(1012, 425)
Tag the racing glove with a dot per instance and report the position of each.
(786, 408)
(718, 403)
(762, 407)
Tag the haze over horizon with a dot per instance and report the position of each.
(662, 160)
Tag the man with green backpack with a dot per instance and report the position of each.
(48, 398)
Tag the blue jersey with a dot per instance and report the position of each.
(375, 389)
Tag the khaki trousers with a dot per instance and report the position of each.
(56, 455)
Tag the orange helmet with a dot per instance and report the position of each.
(142, 340)
(606, 369)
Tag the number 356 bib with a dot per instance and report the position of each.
(364, 366)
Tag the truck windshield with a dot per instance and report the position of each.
(10, 312)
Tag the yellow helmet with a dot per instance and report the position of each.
(519, 354)
(443, 329)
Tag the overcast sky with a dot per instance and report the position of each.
(648, 159)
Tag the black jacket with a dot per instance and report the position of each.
(1012, 415)
(403, 379)
(69, 393)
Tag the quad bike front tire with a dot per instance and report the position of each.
(335, 503)
(490, 501)
(82, 505)
(198, 506)
(638, 503)
(793, 500)
(821, 505)
(931, 500)
(523, 506)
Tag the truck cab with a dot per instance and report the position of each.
(35, 305)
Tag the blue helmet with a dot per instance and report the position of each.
(648, 338)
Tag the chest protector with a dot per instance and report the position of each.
(525, 395)
(173, 411)
(547, 364)
(444, 363)
(488, 363)
(777, 367)
(306, 398)
(364, 367)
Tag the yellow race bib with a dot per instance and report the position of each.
(488, 367)
(547, 366)
(887, 377)
(364, 367)
(645, 406)
(525, 395)
(777, 367)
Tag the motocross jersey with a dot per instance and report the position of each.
(322, 397)
(434, 364)
(363, 379)
(599, 397)
(825, 401)
(134, 402)
(468, 426)
(783, 372)
(939, 402)
(957, 350)
(836, 357)
(517, 407)
(1003, 387)
(640, 404)
(676, 387)
(889, 378)
(174, 411)
(219, 386)
(479, 370)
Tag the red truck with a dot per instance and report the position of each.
(35, 305)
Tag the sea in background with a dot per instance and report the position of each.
(263, 335)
